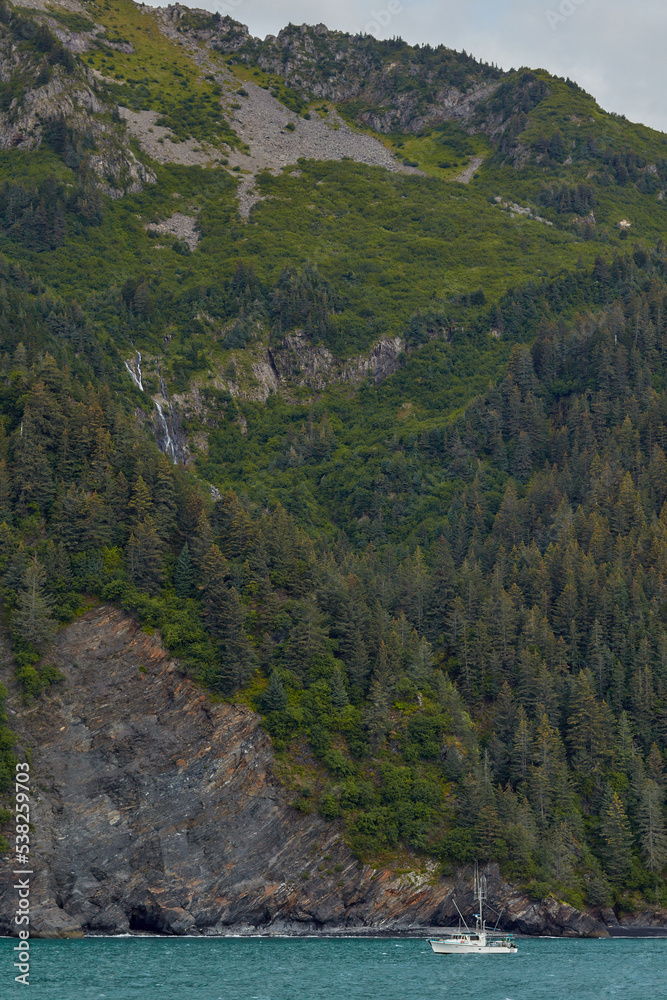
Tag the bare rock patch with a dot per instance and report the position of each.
(183, 227)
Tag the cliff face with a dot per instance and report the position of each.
(331, 65)
(155, 809)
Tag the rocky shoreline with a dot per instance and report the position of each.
(372, 933)
(156, 810)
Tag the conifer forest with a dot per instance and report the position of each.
(443, 584)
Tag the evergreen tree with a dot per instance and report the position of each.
(200, 544)
(376, 716)
(617, 840)
(308, 637)
(339, 698)
(237, 530)
(357, 662)
(590, 732)
(440, 590)
(32, 619)
(215, 591)
(184, 580)
(652, 835)
(223, 615)
(655, 765)
(165, 506)
(522, 746)
(144, 557)
(274, 698)
(33, 479)
(141, 504)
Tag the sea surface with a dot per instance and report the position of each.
(335, 969)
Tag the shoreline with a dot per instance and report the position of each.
(349, 934)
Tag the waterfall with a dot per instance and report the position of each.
(135, 373)
(173, 438)
(164, 440)
(169, 435)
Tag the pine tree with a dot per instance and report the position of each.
(201, 543)
(223, 615)
(415, 581)
(65, 517)
(7, 541)
(376, 715)
(623, 748)
(184, 580)
(17, 565)
(522, 746)
(308, 637)
(440, 591)
(589, 725)
(357, 662)
(507, 526)
(141, 504)
(339, 698)
(58, 568)
(95, 531)
(488, 832)
(503, 730)
(164, 499)
(33, 477)
(144, 557)
(215, 591)
(547, 756)
(652, 835)
(274, 698)
(655, 765)
(32, 619)
(617, 840)
(141, 301)
(237, 530)
(117, 492)
(5, 490)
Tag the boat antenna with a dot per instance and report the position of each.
(479, 892)
(460, 914)
(499, 916)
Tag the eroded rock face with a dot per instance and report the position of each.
(298, 362)
(155, 809)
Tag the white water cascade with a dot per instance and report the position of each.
(166, 424)
(135, 372)
(164, 440)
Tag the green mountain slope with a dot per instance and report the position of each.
(403, 316)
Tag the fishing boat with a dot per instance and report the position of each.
(478, 941)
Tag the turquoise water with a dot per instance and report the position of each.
(384, 969)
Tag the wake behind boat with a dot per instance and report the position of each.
(478, 941)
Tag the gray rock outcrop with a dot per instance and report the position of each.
(156, 809)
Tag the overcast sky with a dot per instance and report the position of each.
(613, 48)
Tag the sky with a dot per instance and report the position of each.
(613, 48)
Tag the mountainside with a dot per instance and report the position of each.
(343, 365)
(159, 812)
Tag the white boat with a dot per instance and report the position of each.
(478, 941)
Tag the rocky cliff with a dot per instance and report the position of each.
(155, 809)
(396, 87)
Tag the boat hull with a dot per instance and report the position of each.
(471, 948)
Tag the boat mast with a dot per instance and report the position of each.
(480, 895)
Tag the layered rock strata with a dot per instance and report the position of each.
(155, 809)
